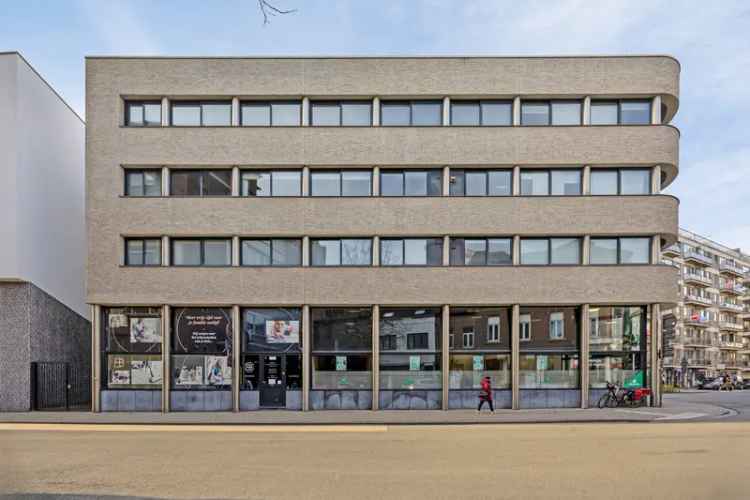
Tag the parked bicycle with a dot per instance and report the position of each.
(617, 396)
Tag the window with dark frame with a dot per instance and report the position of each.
(334, 183)
(411, 252)
(482, 113)
(551, 182)
(480, 182)
(341, 113)
(271, 183)
(203, 252)
(201, 113)
(143, 113)
(551, 113)
(334, 252)
(411, 182)
(270, 113)
(277, 252)
(481, 251)
(550, 251)
(622, 251)
(143, 251)
(200, 182)
(620, 112)
(142, 182)
(620, 181)
(416, 113)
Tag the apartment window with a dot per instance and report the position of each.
(342, 183)
(493, 329)
(622, 112)
(411, 252)
(143, 252)
(341, 252)
(343, 113)
(525, 330)
(202, 252)
(411, 182)
(480, 182)
(143, 113)
(411, 113)
(626, 181)
(201, 182)
(620, 251)
(271, 252)
(556, 326)
(551, 182)
(481, 113)
(551, 112)
(202, 114)
(468, 339)
(271, 183)
(546, 251)
(481, 251)
(271, 113)
(143, 183)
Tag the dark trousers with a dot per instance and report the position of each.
(481, 403)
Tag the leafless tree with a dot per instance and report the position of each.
(269, 10)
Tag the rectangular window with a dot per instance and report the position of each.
(556, 326)
(534, 183)
(549, 371)
(535, 113)
(200, 182)
(411, 113)
(537, 182)
(275, 252)
(343, 252)
(493, 330)
(344, 113)
(414, 360)
(143, 183)
(534, 252)
(484, 113)
(271, 113)
(131, 348)
(143, 113)
(565, 250)
(411, 252)
(468, 339)
(556, 251)
(343, 183)
(604, 113)
(565, 182)
(480, 182)
(617, 328)
(622, 112)
(620, 251)
(277, 183)
(481, 252)
(143, 252)
(635, 181)
(201, 114)
(624, 181)
(202, 252)
(604, 182)
(411, 182)
(202, 348)
(468, 370)
(566, 112)
(603, 251)
(525, 329)
(341, 329)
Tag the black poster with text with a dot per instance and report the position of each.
(202, 330)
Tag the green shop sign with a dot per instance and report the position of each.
(634, 381)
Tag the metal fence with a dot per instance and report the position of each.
(60, 386)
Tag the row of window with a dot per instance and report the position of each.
(493, 251)
(403, 113)
(335, 183)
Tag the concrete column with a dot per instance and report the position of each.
(305, 251)
(376, 111)
(236, 358)
(165, 253)
(165, 112)
(516, 181)
(656, 250)
(375, 357)
(587, 110)
(376, 251)
(656, 180)
(164, 181)
(515, 356)
(656, 111)
(446, 251)
(445, 359)
(376, 181)
(446, 181)
(306, 371)
(586, 251)
(516, 250)
(235, 112)
(446, 111)
(96, 358)
(235, 251)
(655, 360)
(235, 181)
(516, 111)
(584, 359)
(166, 350)
(305, 112)
(305, 181)
(586, 180)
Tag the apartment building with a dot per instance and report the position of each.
(708, 332)
(43, 311)
(377, 233)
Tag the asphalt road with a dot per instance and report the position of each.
(736, 401)
(686, 460)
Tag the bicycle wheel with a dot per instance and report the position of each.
(603, 401)
(612, 402)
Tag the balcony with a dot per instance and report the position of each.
(732, 289)
(698, 321)
(691, 256)
(731, 268)
(672, 250)
(728, 325)
(695, 341)
(699, 362)
(730, 345)
(728, 306)
(696, 299)
(697, 279)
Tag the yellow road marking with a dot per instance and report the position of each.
(192, 428)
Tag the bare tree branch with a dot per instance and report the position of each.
(269, 9)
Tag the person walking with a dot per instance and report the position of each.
(485, 394)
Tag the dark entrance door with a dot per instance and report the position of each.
(273, 382)
(60, 386)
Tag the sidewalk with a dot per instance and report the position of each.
(673, 410)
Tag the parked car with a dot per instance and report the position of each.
(711, 384)
(746, 384)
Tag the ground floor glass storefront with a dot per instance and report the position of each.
(366, 357)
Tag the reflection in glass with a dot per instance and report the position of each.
(604, 182)
(565, 250)
(534, 183)
(534, 252)
(548, 371)
(603, 251)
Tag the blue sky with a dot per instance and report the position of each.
(710, 38)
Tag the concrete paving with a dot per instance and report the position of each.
(685, 461)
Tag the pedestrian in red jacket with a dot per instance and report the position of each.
(485, 394)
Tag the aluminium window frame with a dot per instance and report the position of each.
(618, 103)
(202, 241)
(550, 111)
(479, 103)
(549, 239)
(142, 240)
(341, 251)
(141, 103)
(403, 251)
(385, 171)
(549, 172)
(270, 247)
(619, 171)
(411, 103)
(142, 172)
(340, 173)
(486, 172)
(486, 240)
(339, 104)
(271, 172)
(203, 172)
(269, 104)
(619, 250)
(200, 104)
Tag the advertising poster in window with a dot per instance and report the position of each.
(145, 371)
(188, 370)
(119, 370)
(414, 363)
(203, 330)
(340, 363)
(478, 363)
(282, 332)
(145, 330)
(217, 370)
